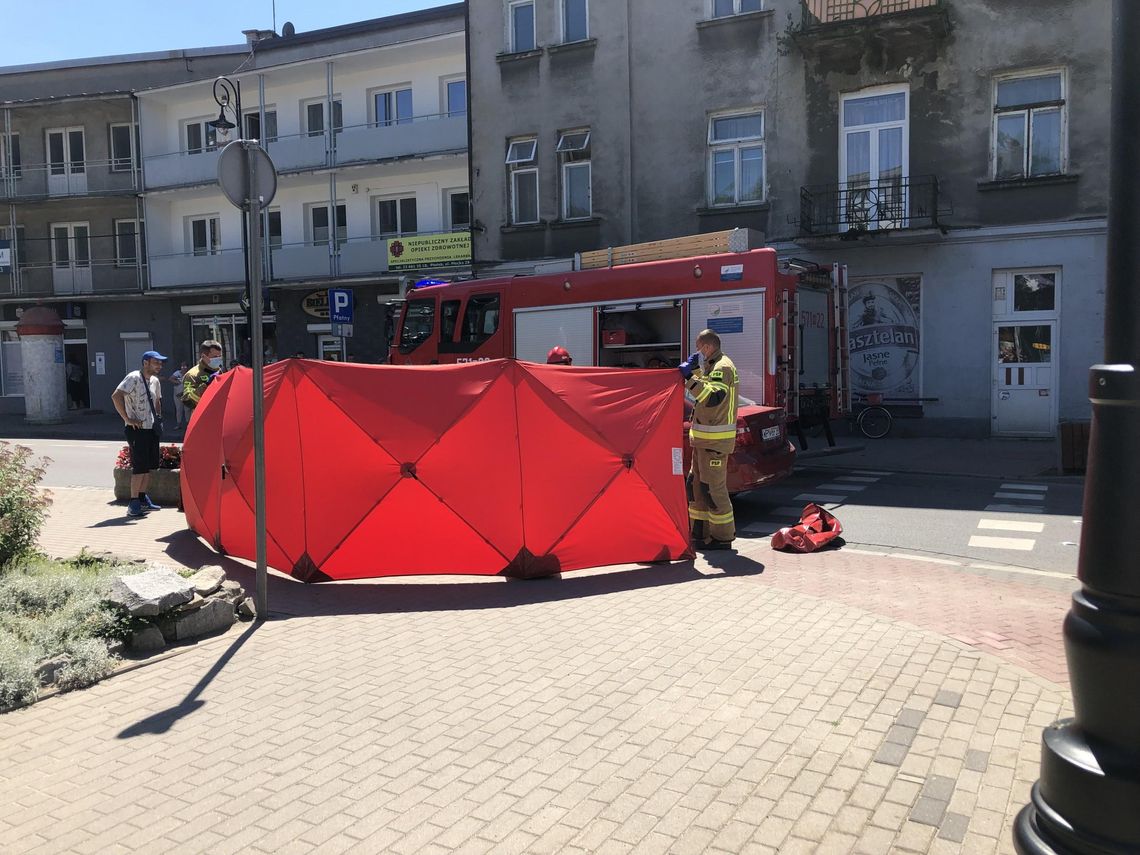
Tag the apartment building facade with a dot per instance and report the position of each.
(70, 216)
(113, 213)
(952, 153)
(366, 125)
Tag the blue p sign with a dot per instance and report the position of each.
(340, 306)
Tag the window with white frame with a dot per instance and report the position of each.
(315, 116)
(396, 216)
(736, 158)
(10, 156)
(199, 136)
(122, 147)
(392, 107)
(573, 151)
(204, 234)
(522, 164)
(455, 97)
(130, 243)
(575, 21)
(1029, 125)
(71, 245)
(319, 224)
(457, 204)
(253, 129)
(726, 8)
(520, 26)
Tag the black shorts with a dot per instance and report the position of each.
(143, 443)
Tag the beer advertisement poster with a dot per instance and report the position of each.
(885, 335)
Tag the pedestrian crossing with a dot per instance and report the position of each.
(837, 490)
(1015, 498)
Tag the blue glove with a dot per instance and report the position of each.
(690, 365)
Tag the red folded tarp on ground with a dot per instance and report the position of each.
(484, 468)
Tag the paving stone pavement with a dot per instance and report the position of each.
(762, 703)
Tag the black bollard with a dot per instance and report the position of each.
(1087, 799)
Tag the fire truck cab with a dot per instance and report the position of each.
(641, 307)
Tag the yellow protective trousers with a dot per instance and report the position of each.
(708, 496)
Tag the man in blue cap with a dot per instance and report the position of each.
(138, 401)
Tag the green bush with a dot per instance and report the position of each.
(22, 505)
(48, 608)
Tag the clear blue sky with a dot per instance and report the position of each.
(50, 30)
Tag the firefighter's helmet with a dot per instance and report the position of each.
(559, 356)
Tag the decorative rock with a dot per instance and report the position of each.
(246, 609)
(214, 616)
(148, 639)
(47, 670)
(231, 592)
(207, 580)
(150, 593)
(194, 604)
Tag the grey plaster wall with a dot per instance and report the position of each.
(951, 113)
(957, 315)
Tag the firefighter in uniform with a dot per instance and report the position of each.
(712, 382)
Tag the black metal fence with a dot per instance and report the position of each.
(817, 12)
(910, 203)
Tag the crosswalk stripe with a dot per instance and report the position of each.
(1040, 488)
(1024, 497)
(1012, 509)
(1011, 525)
(857, 478)
(820, 498)
(868, 472)
(1025, 544)
(847, 488)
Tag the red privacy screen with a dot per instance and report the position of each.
(499, 467)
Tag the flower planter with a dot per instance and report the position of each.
(164, 486)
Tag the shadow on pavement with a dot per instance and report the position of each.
(288, 597)
(161, 722)
(121, 519)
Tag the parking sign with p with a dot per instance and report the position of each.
(340, 311)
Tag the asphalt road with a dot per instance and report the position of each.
(1032, 525)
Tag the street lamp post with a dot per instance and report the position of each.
(1088, 797)
(246, 195)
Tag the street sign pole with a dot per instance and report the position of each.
(254, 202)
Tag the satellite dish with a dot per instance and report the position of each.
(288, 30)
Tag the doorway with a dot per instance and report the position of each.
(1025, 352)
(330, 348)
(78, 382)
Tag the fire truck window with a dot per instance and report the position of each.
(419, 321)
(448, 315)
(481, 320)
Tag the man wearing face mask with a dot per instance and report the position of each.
(195, 380)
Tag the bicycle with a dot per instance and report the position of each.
(874, 420)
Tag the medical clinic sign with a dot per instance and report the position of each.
(426, 252)
(884, 337)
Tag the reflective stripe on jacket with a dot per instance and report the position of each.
(714, 388)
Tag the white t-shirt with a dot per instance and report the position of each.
(134, 398)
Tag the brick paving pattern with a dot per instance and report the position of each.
(756, 704)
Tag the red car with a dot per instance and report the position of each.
(763, 454)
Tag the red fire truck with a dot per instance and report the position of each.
(642, 306)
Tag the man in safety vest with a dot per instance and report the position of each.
(195, 381)
(712, 437)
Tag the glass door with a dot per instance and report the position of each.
(67, 161)
(71, 258)
(874, 160)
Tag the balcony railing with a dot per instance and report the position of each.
(74, 262)
(816, 12)
(288, 262)
(79, 178)
(352, 144)
(859, 207)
